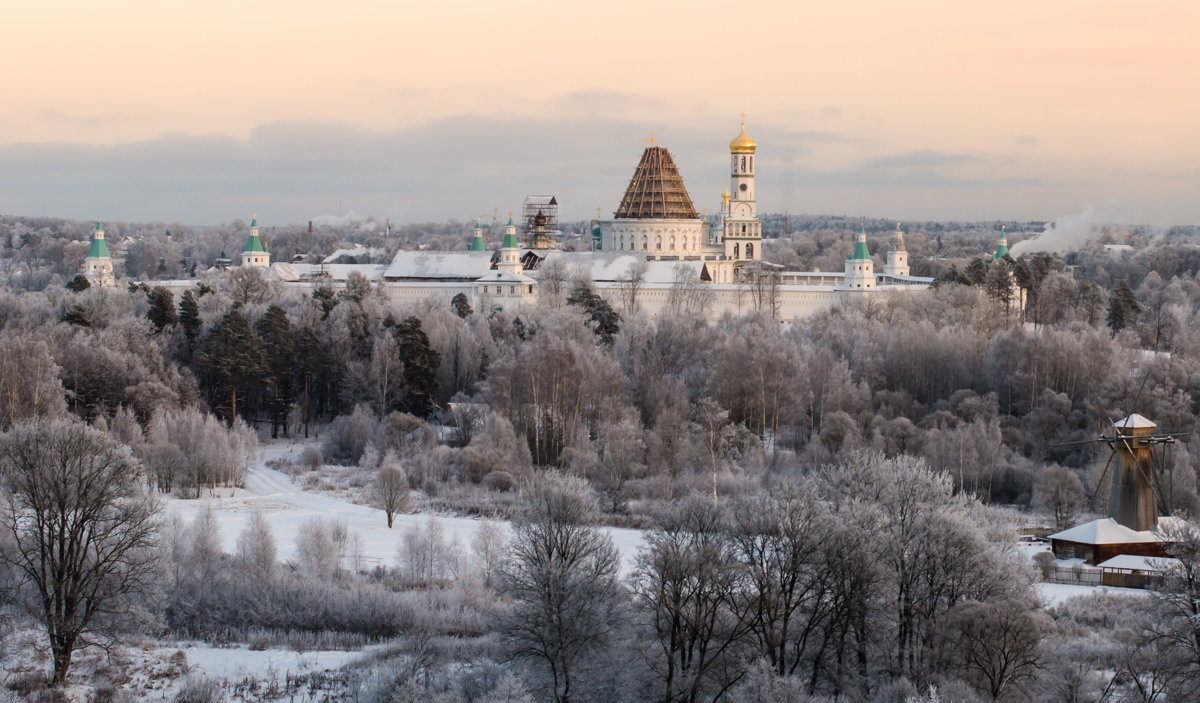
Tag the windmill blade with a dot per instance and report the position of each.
(1100, 481)
(1060, 445)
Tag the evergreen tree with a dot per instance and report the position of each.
(1123, 307)
(462, 306)
(76, 315)
(162, 308)
(310, 356)
(279, 346)
(79, 284)
(233, 359)
(421, 363)
(603, 320)
(189, 319)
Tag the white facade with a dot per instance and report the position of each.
(655, 238)
(897, 258)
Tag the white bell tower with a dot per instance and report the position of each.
(743, 230)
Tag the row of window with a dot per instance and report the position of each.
(512, 290)
(688, 245)
(744, 169)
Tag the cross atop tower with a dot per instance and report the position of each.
(743, 119)
(652, 140)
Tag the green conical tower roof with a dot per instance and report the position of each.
(1002, 250)
(477, 240)
(99, 248)
(253, 243)
(860, 249)
(510, 234)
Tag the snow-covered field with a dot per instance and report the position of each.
(286, 506)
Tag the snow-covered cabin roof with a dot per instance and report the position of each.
(1138, 563)
(1133, 422)
(468, 265)
(1104, 531)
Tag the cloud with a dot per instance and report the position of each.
(463, 166)
(924, 158)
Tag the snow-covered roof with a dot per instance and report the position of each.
(1134, 422)
(504, 277)
(1138, 563)
(1103, 531)
(614, 266)
(336, 272)
(439, 264)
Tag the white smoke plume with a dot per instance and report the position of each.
(351, 221)
(1067, 233)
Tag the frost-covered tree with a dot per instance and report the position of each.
(78, 530)
(561, 575)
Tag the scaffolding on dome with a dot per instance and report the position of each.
(656, 190)
(540, 213)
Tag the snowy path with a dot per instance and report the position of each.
(286, 506)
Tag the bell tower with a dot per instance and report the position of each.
(743, 230)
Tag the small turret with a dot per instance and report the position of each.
(1002, 248)
(897, 258)
(255, 254)
(510, 250)
(477, 241)
(98, 266)
(860, 269)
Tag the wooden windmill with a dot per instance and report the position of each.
(1134, 498)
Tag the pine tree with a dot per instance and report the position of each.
(275, 330)
(162, 308)
(1123, 307)
(462, 306)
(189, 319)
(232, 360)
(604, 321)
(79, 284)
(421, 363)
(76, 315)
(311, 357)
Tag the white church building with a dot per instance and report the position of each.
(655, 253)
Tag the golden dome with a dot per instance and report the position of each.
(742, 144)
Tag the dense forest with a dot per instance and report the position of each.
(829, 504)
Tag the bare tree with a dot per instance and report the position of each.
(256, 551)
(79, 530)
(390, 491)
(562, 578)
(996, 644)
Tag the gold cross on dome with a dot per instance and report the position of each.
(652, 140)
(743, 119)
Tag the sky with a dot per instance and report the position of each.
(206, 112)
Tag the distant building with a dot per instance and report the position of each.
(255, 254)
(654, 252)
(98, 266)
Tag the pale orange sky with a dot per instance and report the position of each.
(1092, 100)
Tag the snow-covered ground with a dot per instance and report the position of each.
(286, 506)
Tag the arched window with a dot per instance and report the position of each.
(752, 164)
(658, 243)
(749, 250)
(743, 229)
(744, 164)
(622, 242)
(645, 243)
(734, 166)
(735, 251)
(672, 243)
